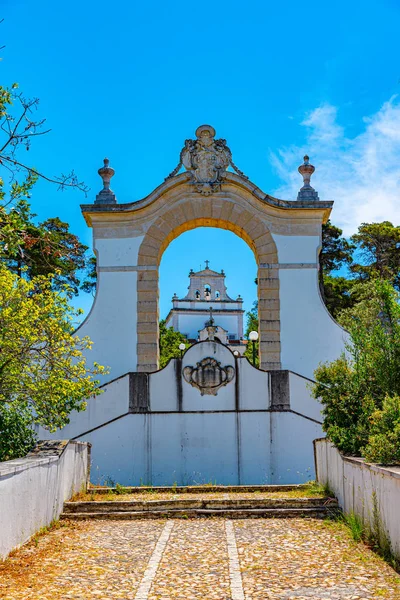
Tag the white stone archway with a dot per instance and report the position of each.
(296, 331)
(185, 214)
(239, 424)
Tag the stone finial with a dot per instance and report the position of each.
(106, 196)
(307, 192)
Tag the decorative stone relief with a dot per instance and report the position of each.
(206, 159)
(208, 376)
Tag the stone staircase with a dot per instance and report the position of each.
(235, 502)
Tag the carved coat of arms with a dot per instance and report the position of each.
(206, 159)
(208, 376)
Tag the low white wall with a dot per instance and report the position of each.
(226, 447)
(158, 429)
(33, 489)
(356, 483)
(301, 399)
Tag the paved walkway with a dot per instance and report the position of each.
(190, 559)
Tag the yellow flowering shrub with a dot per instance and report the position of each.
(43, 369)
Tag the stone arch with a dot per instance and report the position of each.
(184, 216)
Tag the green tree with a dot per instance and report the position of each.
(379, 246)
(252, 325)
(43, 373)
(338, 293)
(336, 252)
(169, 341)
(18, 128)
(353, 387)
(90, 283)
(48, 247)
(17, 436)
(384, 440)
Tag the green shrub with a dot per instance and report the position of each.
(384, 440)
(169, 341)
(17, 436)
(44, 374)
(353, 388)
(120, 489)
(347, 407)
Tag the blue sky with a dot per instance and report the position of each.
(132, 81)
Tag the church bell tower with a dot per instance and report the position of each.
(190, 315)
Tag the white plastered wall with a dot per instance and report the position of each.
(362, 489)
(301, 399)
(33, 490)
(309, 335)
(191, 324)
(231, 438)
(112, 321)
(256, 447)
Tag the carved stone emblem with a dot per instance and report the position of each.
(206, 159)
(208, 376)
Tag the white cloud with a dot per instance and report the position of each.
(362, 174)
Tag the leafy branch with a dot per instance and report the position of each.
(18, 132)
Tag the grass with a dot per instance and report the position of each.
(356, 526)
(120, 490)
(345, 528)
(317, 489)
(55, 524)
(34, 540)
(23, 567)
(311, 490)
(372, 535)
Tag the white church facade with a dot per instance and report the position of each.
(207, 297)
(210, 415)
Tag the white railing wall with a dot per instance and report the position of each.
(370, 491)
(33, 489)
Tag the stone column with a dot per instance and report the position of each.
(268, 313)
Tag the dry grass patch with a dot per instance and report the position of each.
(122, 494)
(22, 568)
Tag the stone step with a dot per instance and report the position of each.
(203, 489)
(194, 504)
(320, 512)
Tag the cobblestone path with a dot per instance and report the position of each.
(212, 559)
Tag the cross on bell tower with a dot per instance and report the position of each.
(207, 263)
